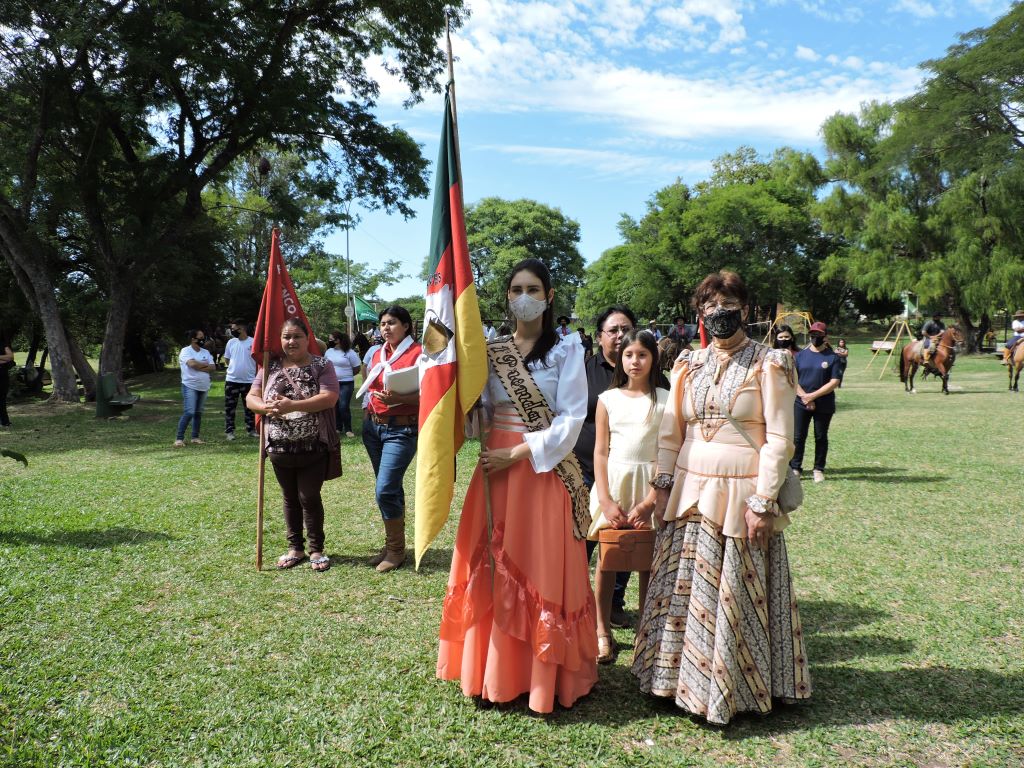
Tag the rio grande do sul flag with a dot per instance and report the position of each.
(279, 303)
(453, 368)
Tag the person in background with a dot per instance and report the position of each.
(817, 379)
(1018, 334)
(490, 332)
(297, 404)
(361, 344)
(930, 331)
(6, 364)
(586, 341)
(652, 327)
(241, 371)
(346, 362)
(563, 328)
(391, 429)
(196, 366)
(843, 353)
(679, 333)
(785, 339)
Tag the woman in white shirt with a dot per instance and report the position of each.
(519, 614)
(346, 362)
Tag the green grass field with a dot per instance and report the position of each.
(135, 630)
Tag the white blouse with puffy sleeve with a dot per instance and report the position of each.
(563, 381)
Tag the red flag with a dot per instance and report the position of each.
(703, 333)
(279, 303)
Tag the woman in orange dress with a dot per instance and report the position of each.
(519, 614)
(720, 631)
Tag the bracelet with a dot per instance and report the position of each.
(763, 507)
(662, 481)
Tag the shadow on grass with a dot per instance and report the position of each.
(105, 538)
(883, 475)
(849, 696)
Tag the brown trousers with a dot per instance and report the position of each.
(301, 476)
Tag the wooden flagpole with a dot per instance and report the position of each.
(262, 471)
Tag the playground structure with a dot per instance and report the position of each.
(895, 338)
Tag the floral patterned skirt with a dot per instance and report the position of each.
(720, 631)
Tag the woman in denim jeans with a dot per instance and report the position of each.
(390, 427)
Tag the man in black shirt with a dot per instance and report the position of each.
(612, 325)
(930, 330)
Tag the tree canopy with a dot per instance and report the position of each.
(119, 115)
(501, 233)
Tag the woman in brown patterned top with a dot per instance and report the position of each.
(720, 631)
(302, 389)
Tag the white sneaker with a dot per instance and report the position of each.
(253, 433)
(819, 476)
(229, 435)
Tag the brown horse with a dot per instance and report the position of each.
(668, 350)
(940, 363)
(1014, 364)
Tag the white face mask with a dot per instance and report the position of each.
(527, 308)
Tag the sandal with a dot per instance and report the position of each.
(197, 441)
(179, 443)
(290, 560)
(606, 649)
(320, 563)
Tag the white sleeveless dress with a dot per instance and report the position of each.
(632, 451)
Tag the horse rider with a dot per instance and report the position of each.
(930, 332)
(1018, 334)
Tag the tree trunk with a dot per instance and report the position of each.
(41, 295)
(963, 317)
(122, 292)
(85, 371)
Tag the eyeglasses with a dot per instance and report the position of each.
(711, 306)
(617, 330)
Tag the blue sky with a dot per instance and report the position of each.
(592, 105)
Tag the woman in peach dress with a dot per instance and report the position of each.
(519, 614)
(720, 631)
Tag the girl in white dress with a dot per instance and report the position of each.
(628, 416)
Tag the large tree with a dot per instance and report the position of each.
(752, 215)
(929, 192)
(117, 116)
(501, 233)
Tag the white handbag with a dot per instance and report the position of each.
(791, 494)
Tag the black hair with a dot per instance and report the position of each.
(783, 329)
(621, 309)
(619, 378)
(192, 334)
(548, 338)
(677, 318)
(400, 313)
(295, 322)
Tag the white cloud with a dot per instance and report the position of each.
(843, 12)
(920, 8)
(512, 62)
(806, 54)
(604, 163)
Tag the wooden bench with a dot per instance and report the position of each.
(108, 402)
(883, 346)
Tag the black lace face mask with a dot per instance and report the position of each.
(723, 323)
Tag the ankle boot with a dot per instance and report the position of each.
(395, 547)
(376, 559)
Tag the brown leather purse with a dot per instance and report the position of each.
(625, 549)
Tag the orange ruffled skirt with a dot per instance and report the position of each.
(536, 633)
